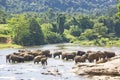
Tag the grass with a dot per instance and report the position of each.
(4, 45)
(3, 25)
(92, 43)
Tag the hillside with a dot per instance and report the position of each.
(83, 6)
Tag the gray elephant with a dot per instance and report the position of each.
(44, 61)
(109, 54)
(80, 58)
(46, 53)
(28, 57)
(37, 59)
(64, 55)
(36, 52)
(91, 56)
(57, 54)
(80, 53)
(15, 58)
(69, 55)
(7, 57)
(101, 55)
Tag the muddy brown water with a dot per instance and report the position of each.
(31, 71)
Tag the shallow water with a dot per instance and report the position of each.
(31, 71)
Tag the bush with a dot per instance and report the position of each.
(52, 37)
(75, 31)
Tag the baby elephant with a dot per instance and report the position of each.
(44, 61)
(37, 59)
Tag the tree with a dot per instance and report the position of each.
(61, 21)
(118, 13)
(75, 30)
(18, 25)
(100, 29)
(2, 17)
(36, 33)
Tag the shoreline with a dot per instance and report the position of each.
(102, 71)
(5, 45)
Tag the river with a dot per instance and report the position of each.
(31, 71)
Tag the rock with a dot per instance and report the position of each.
(111, 69)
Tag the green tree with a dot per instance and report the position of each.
(36, 33)
(88, 34)
(75, 30)
(118, 13)
(18, 26)
(61, 21)
(100, 29)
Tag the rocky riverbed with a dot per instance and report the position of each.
(109, 70)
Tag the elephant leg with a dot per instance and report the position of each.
(59, 56)
(66, 58)
(54, 56)
(73, 59)
(76, 62)
(9, 60)
(46, 62)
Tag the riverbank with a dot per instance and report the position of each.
(103, 71)
(108, 43)
(4, 45)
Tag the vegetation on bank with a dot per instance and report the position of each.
(4, 45)
(27, 29)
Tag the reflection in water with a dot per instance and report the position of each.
(31, 71)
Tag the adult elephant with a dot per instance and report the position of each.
(80, 53)
(46, 53)
(80, 58)
(8, 57)
(109, 54)
(101, 55)
(64, 55)
(36, 52)
(69, 55)
(15, 58)
(91, 56)
(57, 54)
(28, 57)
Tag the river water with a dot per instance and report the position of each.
(31, 71)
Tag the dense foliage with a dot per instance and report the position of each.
(33, 28)
(84, 6)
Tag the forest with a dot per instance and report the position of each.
(29, 25)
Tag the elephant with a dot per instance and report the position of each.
(36, 52)
(15, 58)
(64, 55)
(28, 57)
(44, 61)
(23, 50)
(57, 54)
(80, 53)
(91, 56)
(109, 54)
(69, 55)
(16, 53)
(37, 59)
(46, 53)
(8, 57)
(101, 55)
(80, 58)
